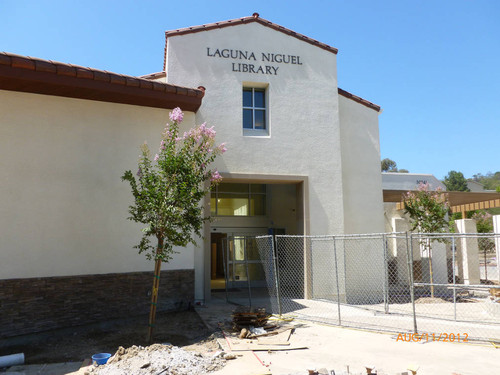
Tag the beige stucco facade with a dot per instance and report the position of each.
(312, 132)
(63, 205)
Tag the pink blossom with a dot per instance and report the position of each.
(176, 115)
(215, 176)
(157, 157)
(167, 134)
(222, 147)
(423, 187)
(210, 132)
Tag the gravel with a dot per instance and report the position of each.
(158, 359)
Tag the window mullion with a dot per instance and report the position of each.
(253, 109)
(253, 118)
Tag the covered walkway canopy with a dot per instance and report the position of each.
(460, 201)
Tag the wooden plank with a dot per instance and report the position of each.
(271, 342)
(263, 348)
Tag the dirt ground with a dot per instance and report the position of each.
(184, 329)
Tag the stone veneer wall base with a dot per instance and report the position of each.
(38, 304)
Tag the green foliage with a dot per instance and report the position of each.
(490, 181)
(484, 221)
(388, 165)
(455, 181)
(168, 189)
(427, 210)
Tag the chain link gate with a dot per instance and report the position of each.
(396, 282)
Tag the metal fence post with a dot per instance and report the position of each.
(337, 278)
(409, 252)
(386, 272)
(274, 252)
(224, 248)
(245, 254)
(454, 277)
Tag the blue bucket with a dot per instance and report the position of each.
(100, 358)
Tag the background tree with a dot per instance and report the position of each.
(455, 181)
(388, 165)
(484, 224)
(427, 211)
(490, 181)
(168, 191)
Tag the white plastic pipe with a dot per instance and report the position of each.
(11, 360)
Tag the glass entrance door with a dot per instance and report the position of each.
(243, 262)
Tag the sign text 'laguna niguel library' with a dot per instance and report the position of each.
(261, 60)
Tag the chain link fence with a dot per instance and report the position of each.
(398, 282)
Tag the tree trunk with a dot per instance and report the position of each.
(154, 294)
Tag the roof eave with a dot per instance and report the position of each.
(359, 100)
(244, 20)
(25, 74)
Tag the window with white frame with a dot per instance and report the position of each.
(254, 109)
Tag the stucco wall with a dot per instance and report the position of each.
(363, 203)
(303, 110)
(303, 125)
(362, 181)
(63, 205)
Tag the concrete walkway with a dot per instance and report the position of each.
(343, 349)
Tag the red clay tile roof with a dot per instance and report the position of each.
(29, 74)
(238, 21)
(358, 99)
(154, 75)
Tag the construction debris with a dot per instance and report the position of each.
(321, 371)
(158, 359)
(244, 333)
(244, 317)
(495, 293)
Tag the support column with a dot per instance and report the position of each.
(439, 268)
(496, 229)
(399, 252)
(469, 252)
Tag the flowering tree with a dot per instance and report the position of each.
(484, 221)
(484, 224)
(427, 211)
(168, 190)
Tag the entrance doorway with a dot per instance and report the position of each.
(217, 246)
(235, 260)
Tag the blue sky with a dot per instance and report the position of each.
(433, 66)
